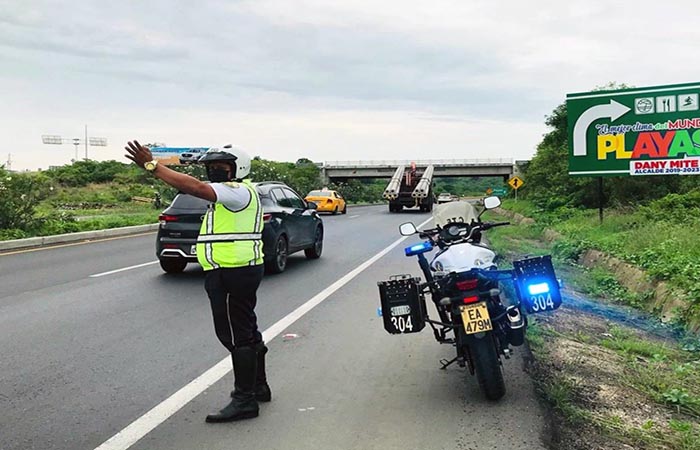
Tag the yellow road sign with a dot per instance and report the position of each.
(516, 183)
(489, 191)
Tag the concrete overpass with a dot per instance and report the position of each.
(345, 170)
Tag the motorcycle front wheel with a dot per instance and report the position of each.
(487, 366)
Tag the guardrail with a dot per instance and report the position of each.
(418, 162)
(40, 241)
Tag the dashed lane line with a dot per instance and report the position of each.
(123, 269)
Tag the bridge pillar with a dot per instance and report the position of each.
(323, 175)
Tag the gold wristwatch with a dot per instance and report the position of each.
(150, 165)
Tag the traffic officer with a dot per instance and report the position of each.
(229, 248)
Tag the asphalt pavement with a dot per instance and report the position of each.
(95, 335)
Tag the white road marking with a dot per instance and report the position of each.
(123, 269)
(352, 217)
(168, 407)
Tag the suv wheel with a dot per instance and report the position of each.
(315, 251)
(278, 262)
(173, 265)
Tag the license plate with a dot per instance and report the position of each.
(193, 250)
(401, 310)
(475, 318)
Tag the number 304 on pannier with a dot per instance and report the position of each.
(537, 284)
(403, 306)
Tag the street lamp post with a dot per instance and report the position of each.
(76, 142)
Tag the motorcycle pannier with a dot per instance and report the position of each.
(403, 306)
(537, 284)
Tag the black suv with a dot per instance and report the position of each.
(291, 225)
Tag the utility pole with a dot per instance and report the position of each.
(9, 161)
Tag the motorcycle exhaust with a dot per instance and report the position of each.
(516, 326)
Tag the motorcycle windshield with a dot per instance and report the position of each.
(461, 211)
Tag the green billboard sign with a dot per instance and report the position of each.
(640, 131)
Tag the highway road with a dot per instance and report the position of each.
(101, 349)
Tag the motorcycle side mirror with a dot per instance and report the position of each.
(492, 202)
(407, 229)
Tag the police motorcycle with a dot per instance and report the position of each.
(468, 292)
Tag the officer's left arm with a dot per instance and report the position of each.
(184, 183)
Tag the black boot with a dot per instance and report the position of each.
(243, 404)
(262, 389)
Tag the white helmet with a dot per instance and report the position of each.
(236, 156)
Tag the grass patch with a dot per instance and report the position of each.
(561, 394)
(88, 208)
(663, 244)
(515, 241)
(527, 209)
(651, 396)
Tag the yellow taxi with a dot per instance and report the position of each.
(328, 201)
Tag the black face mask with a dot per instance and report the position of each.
(217, 175)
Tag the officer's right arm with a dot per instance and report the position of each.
(185, 183)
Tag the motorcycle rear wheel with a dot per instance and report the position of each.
(487, 367)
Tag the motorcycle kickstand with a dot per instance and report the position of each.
(445, 363)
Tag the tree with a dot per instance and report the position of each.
(19, 196)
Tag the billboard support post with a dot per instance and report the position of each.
(600, 199)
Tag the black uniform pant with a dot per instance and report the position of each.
(232, 294)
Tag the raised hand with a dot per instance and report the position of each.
(138, 153)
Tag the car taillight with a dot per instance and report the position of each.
(472, 299)
(467, 285)
(267, 217)
(163, 218)
(169, 245)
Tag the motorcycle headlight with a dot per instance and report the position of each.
(453, 230)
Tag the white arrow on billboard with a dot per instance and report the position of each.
(613, 111)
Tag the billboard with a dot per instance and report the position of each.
(641, 131)
(177, 155)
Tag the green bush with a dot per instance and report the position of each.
(674, 207)
(20, 195)
(13, 233)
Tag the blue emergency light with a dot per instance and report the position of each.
(538, 288)
(418, 249)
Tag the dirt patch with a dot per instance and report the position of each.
(583, 369)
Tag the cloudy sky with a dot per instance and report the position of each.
(322, 79)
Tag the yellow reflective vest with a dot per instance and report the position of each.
(232, 239)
